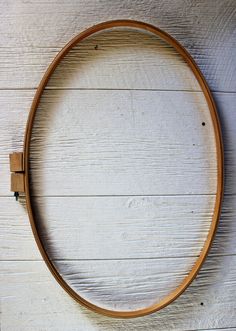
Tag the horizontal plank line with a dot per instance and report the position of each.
(109, 89)
(119, 89)
(120, 195)
(223, 92)
(135, 89)
(215, 329)
(96, 89)
(115, 195)
(119, 259)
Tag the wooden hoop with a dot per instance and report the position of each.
(219, 150)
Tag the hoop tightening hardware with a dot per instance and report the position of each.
(17, 173)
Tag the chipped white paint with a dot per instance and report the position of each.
(123, 140)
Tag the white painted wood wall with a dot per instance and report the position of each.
(123, 170)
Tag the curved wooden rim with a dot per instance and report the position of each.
(219, 150)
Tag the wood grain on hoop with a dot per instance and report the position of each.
(219, 150)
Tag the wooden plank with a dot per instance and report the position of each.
(205, 28)
(69, 231)
(17, 103)
(30, 294)
(114, 59)
(17, 241)
(124, 227)
(226, 105)
(123, 143)
(125, 284)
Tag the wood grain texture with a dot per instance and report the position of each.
(16, 162)
(122, 142)
(17, 182)
(124, 227)
(17, 103)
(137, 59)
(125, 285)
(205, 28)
(17, 242)
(50, 308)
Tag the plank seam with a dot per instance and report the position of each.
(212, 255)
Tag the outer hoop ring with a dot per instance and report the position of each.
(220, 172)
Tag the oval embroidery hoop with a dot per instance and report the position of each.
(19, 166)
